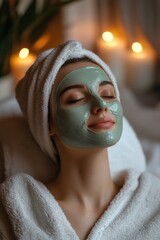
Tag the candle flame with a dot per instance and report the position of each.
(107, 36)
(137, 47)
(24, 53)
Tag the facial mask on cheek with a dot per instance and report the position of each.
(71, 121)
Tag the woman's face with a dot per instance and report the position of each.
(84, 110)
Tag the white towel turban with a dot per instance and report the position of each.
(33, 91)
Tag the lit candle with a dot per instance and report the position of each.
(112, 51)
(140, 68)
(20, 63)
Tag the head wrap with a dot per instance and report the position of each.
(34, 90)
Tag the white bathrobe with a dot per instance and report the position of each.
(28, 211)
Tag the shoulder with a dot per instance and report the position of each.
(141, 180)
(141, 189)
(151, 188)
(21, 180)
(138, 205)
(23, 201)
(5, 224)
(19, 187)
(150, 182)
(146, 196)
(148, 185)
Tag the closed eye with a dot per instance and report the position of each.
(73, 96)
(108, 97)
(107, 92)
(72, 101)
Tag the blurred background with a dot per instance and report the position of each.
(125, 33)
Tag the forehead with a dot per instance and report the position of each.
(69, 68)
(64, 71)
(89, 76)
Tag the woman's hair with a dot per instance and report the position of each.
(76, 60)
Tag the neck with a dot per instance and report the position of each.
(85, 176)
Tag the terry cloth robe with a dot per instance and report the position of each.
(30, 212)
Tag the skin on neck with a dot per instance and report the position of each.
(84, 175)
(83, 188)
(84, 182)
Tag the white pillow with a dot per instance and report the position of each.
(20, 153)
(127, 153)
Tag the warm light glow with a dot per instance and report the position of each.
(137, 47)
(24, 53)
(42, 42)
(107, 36)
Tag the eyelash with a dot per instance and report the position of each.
(110, 97)
(80, 99)
(74, 101)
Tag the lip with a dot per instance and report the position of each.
(102, 124)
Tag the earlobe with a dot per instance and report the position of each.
(50, 133)
(52, 130)
(51, 120)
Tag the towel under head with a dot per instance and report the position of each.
(34, 90)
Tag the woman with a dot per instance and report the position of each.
(72, 104)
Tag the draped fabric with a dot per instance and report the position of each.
(142, 16)
(33, 213)
(138, 19)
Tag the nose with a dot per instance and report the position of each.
(99, 105)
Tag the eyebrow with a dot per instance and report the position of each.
(71, 87)
(103, 83)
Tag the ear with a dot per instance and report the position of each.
(51, 117)
(52, 128)
(50, 133)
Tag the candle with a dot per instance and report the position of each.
(140, 68)
(20, 63)
(112, 50)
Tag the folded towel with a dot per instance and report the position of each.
(33, 213)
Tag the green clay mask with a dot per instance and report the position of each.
(73, 113)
